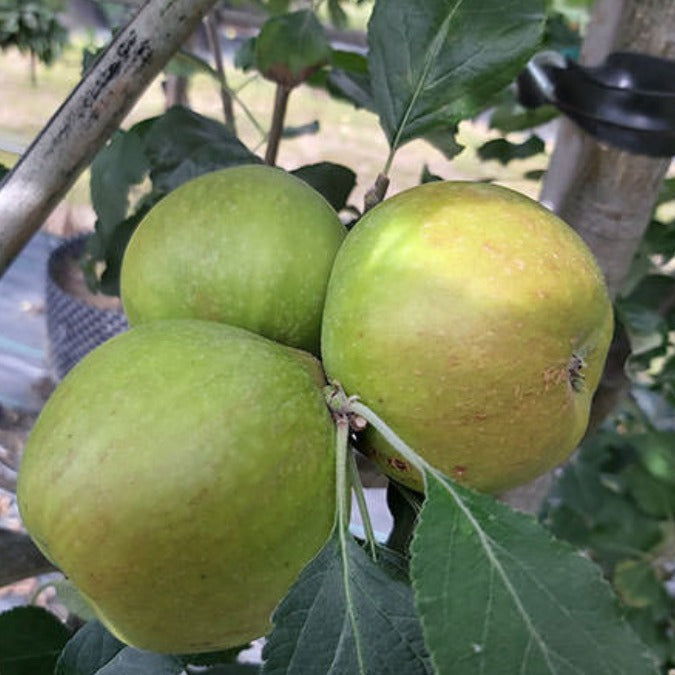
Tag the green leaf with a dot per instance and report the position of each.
(590, 507)
(225, 656)
(232, 669)
(637, 585)
(244, 57)
(435, 63)
(334, 181)
(338, 16)
(652, 496)
(657, 454)
(504, 151)
(667, 193)
(31, 639)
(347, 614)
(118, 167)
(290, 47)
(511, 116)
(301, 130)
(94, 651)
(516, 600)
(347, 79)
(647, 330)
(73, 600)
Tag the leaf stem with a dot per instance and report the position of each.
(357, 486)
(278, 116)
(225, 93)
(341, 481)
(392, 438)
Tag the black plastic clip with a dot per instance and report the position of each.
(627, 102)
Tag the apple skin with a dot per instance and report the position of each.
(182, 475)
(251, 246)
(476, 324)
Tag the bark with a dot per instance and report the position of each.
(606, 194)
(88, 117)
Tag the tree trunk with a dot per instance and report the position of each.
(607, 195)
(89, 116)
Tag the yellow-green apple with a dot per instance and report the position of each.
(250, 245)
(476, 324)
(181, 476)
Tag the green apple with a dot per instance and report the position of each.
(476, 324)
(250, 245)
(181, 476)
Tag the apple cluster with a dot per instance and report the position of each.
(183, 473)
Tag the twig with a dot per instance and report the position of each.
(276, 129)
(225, 94)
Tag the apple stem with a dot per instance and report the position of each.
(357, 486)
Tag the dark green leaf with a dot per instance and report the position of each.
(504, 151)
(435, 63)
(517, 601)
(183, 144)
(3, 170)
(535, 174)
(94, 651)
(290, 47)
(353, 87)
(347, 614)
(560, 36)
(110, 250)
(31, 640)
(444, 140)
(334, 181)
(428, 177)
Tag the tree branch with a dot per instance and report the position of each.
(89, 115)
(20, 558)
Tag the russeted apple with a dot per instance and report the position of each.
(476, 324)
(251, 246)
(181, 476)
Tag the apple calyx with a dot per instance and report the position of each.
(575, 372)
